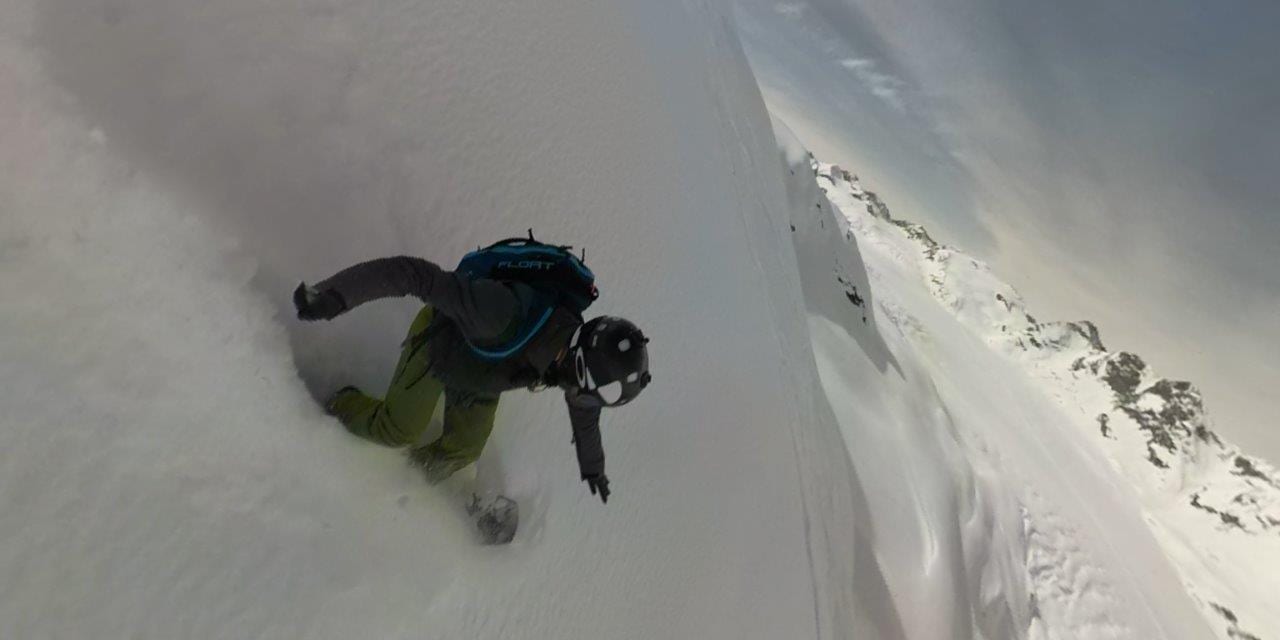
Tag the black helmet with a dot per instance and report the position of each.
(610, 360)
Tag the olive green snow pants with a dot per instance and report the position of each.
(401, 417)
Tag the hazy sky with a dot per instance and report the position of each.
(1116, 161)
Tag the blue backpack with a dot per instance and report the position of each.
(558, 278)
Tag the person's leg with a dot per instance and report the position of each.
(468, 421)
(403, 415)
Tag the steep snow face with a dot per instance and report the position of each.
(1212, 510)
(944, 530)
(172, 168)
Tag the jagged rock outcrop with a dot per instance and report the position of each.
(1169, 412)
(876, 206)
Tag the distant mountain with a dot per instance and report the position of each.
(1215, 509)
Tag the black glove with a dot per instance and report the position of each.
(317, 305)
(599, 484)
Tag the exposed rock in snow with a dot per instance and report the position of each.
(1205, 500)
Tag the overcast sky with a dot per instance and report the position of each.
(1116, 161)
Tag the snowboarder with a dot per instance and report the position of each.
(476, 338)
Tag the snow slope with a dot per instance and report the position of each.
(945, 529)
(831, 447)
(1214, 509)
(172, 168)
(1138, 515)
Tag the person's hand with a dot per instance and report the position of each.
(317, 305)
(599, 485)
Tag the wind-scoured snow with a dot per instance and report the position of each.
(944, 528)
(1138, 516)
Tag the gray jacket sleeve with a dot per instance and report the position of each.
(586, 436)
(483, 309)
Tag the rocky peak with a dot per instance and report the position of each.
(875, 206)
(1088, 331)
(1123, 374)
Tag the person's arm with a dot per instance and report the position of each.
(484, 309)
(586, 438)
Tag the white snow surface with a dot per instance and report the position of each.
(1140, 522)
(173, 168)
(839, 441)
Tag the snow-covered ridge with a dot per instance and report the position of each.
(1215, 509)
